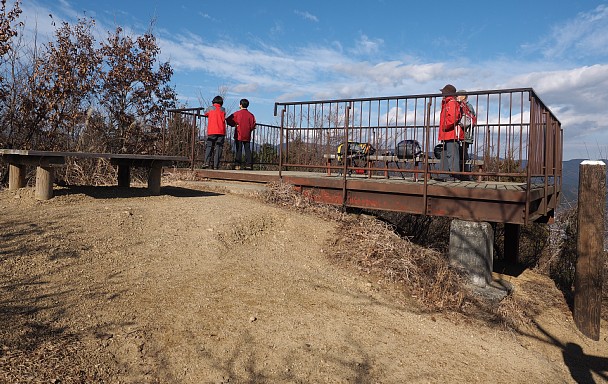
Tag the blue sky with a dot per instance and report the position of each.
(271, 51)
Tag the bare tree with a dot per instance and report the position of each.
(134, 90)
(71, 76)
(8, 29)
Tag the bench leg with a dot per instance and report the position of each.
(154, 176)
(44, 182)
(16, 176)
(124, 175)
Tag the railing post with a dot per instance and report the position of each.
(345, 154)
(194, 117)
(281, 143)
(590, 248)
(425, 161)
(163, 133)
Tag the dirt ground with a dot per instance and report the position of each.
(200, 285)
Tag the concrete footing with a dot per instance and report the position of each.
(471, 250)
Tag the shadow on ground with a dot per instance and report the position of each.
(114, 192)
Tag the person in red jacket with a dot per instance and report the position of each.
(216, 132)
(450, 133)
(244, 123)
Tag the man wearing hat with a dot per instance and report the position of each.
(450, 133)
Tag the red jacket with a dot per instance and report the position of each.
(450, 114)
(216, 122)
(244, 121)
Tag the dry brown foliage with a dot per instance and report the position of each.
(8, 27)
(375, 248)
(511, 313)
(77, 94)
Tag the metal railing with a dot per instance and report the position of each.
(517, 137)
(185, 131)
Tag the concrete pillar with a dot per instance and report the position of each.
(471, 250)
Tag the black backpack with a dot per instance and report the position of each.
(408, 149)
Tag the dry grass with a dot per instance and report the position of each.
(512, 314)
(374, 248)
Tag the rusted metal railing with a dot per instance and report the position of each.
(185, 132)
(516, 145)
(517, 138)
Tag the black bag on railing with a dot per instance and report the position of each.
(408, 149)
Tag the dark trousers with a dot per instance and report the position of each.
(214, 146)
(450, 158)
(238, 159)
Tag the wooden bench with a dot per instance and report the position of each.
(386, 159)
(45, 161)
(369, 160)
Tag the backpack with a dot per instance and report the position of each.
(467, 121)
(408, 149)
(355, 150)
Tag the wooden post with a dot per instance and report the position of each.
(590, 248)
(44, 182)
(154, 176)
(124, 175)
(16, 176)
(511, 242)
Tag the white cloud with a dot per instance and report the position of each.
(585, 35)
(276, 29)
(306, 15)
(366, 46)
(582, 89)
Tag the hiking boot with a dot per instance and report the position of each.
(237, 167)
(249, 168)
(205, 166)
